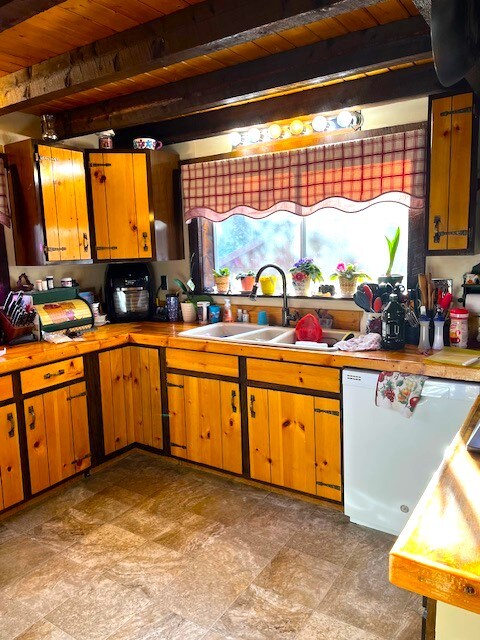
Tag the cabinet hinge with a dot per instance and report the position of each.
(78, 395)
(80, 460)
(99, 164)
(330, 413)
(179, 386)
(455, 111)
(105, 248)
(179, 446)
(330, 486)
(440, 234)
(39, 158)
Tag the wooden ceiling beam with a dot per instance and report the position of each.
(194, 31)
(390, 87)
(13, 12)
(359, 52)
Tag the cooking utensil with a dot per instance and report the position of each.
(369, 293)
(446, 302)
(362, 301)
(377, 305)
(422, 285)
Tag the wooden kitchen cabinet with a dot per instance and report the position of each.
(58, 441)
(294, 441)
(452, 175)
(131, 401)
(205, 421)
(11, 483)
(50, 215)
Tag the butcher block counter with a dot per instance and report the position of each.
(438, 553)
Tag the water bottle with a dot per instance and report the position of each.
(424, 322)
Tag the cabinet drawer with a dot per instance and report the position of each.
(290, 374)
(6, 388)
(51, 374)
(202, 362)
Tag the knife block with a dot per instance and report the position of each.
(11, 332)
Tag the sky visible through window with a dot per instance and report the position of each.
(328, 236)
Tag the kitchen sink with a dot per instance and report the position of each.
(249, 333)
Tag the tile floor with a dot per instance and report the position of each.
(147, 549)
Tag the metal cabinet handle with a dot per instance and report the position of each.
(85, 242)
(48, 250)
(105, 248)
(79, 461)
(145, 245)
(10, 419)
(252, 409)
(77, 395)
(31, 411)
(234, 395)
(60, 372)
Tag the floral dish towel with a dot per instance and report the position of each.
(399, 392)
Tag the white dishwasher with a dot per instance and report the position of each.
(389, 459)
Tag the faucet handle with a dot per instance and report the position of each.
(293, 316)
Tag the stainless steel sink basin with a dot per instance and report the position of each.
(248, 333)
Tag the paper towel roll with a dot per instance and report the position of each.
(472, 303)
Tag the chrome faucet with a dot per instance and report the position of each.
(286, 315)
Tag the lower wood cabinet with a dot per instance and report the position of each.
(295, 441)
(131, 402)
(205, 421)
(11, 484)
(57, 435)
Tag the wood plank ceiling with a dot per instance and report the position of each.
(76, 23)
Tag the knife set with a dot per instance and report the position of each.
(17, 317)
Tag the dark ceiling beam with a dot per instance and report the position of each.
(358, 52)
(194, 31)
(398, 85)
(12, 12)
(425, 8)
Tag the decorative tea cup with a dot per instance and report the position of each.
(147, 143)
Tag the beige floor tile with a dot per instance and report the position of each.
(33, 515)
(190, 533)
(320, 627)
(19, 555)
(260, 614)
(299, 577)
(150, 568)
(66, 529)
(50, 584)
(142, 522)
(44, 630)
(14, 618)
(228, 505)
(155, 623)
(99, 610)
(103, 547)
(109, 503)
(6, 533)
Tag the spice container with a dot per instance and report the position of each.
(50, 282)
(459, 327)
(66, 282)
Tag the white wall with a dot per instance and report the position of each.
(456, 624)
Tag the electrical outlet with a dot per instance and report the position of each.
(163, 283)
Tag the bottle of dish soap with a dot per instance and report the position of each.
(227, 311)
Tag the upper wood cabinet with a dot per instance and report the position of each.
(133, 205)
(452, 182)
(50, 217)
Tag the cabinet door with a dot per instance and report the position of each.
(81, 439)
(145, 392)
(114, 411)
(259, 435)
(231, 427)
(292, 440)
(202, 421)
(328, 449)
(58, 427)
(54, 249)
(176, 415)
(37, 444)
(11, 484)
(142, 209)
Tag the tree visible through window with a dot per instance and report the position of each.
(328, 236)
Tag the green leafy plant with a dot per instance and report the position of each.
(392, 249)
(304, 268)
(223, 272)
(244, 274)
(348, 271)
(188, 288)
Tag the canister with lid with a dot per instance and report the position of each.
(459, 327)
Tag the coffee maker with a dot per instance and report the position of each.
(129, 292)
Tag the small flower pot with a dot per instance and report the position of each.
(348, 286)
(222, 283)
(247, 283)
(268, 284)
(189, 312)
(301, 284)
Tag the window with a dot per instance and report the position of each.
(328, 236)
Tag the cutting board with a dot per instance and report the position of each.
(452, 355)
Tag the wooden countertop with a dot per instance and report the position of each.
(438, 552)
(166, 335)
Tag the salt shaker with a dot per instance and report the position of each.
(438, 323)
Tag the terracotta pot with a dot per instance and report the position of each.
(302, 287)
(348, 286)
(222, 283)
(189, 311)
(247, 283)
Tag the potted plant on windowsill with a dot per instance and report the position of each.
(348, 275)
(189, 306)
(304, 272)
(389, 277)
(222, 279)
(247, 280)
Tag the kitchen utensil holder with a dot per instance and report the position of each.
(12, 332)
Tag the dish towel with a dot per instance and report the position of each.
(399, 391)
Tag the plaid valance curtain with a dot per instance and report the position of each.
(5, 217)
(348, 176)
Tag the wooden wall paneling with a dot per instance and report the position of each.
(106, 384)
(155, 398)
(37, 444)
(440, 156)
(328, 449)
(99, 205)
(230, 418)
(146, 391)
(460, 174)
(58, 425)
(176, 412)
(292, 440)
(10, 466)
(81, 209)
(81, 440)
(138, 422)
(65, 204)
(6, 388)
(47, 178)
(259, 435)
(142, 205)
